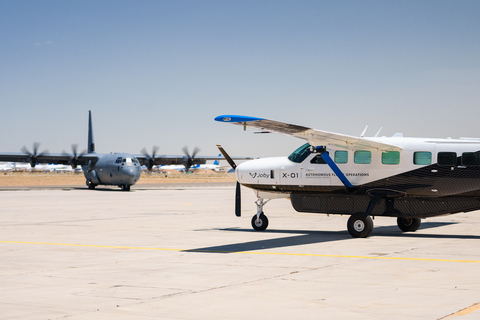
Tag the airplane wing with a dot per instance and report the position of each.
(313, 136)
(57, 158)
(172, 160)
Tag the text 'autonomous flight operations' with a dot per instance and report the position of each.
(407, 178)
(118, 169)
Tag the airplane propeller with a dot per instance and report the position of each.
(73, 159)
(238, 204)
(149, 160)
(33, 157)
(189, 160)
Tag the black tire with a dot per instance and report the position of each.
(408, 224)
(262, 224)
(90, 185)
(360, 225)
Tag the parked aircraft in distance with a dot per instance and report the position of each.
(406, 178)
(6, 167)
(118, 169)
(207, 166)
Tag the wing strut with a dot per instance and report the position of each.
(333, 166)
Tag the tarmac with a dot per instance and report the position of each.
(179, 252)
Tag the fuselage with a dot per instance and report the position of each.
(113, 169)
(421, 169)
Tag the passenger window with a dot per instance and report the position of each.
(318, 159)
(422, 158)
(341, 156)
(471, 158)
(391, 157)
(447, 159)
(362, 157)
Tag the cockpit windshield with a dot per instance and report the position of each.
(128, 161)
(300, 154)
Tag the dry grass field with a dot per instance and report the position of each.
(59, 179)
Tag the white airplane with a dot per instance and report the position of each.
(7, 167)
(207, 166)
(406, 178)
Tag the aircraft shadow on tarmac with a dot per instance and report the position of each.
(312, 237)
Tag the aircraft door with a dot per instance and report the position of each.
(316, 171)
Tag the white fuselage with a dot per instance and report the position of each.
(281, 171)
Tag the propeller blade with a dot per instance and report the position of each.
(149, 160)
(238, 203)
(32, 157)
(227, 157)
(189, 160)
(73, 159)
(238, 196)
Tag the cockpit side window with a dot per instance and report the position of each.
(119, 160)
(300, 154)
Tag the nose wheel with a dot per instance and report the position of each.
(260, 220)
(260, 223)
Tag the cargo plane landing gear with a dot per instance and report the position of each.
(260, 220)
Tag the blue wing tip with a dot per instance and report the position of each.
(236, 118)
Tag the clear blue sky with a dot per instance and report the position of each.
(158, 72)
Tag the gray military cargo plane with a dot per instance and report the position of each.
(117, 169)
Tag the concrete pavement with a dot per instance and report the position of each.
(179, 252)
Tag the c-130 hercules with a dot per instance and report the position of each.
(117, 169)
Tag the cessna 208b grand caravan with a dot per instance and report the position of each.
(118, 169)
(406, 178)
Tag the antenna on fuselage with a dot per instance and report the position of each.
(91, 144)
(378, 132)
(363, 133)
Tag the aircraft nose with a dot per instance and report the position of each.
(131, 174)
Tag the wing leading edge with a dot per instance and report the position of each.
(313, 136)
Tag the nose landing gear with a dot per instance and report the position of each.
(260, 220)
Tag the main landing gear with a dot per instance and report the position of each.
(408, 224)
(360, 225)
(125, 187)
(260, 220)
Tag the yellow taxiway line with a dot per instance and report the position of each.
(242, 252)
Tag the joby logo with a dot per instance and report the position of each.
(227, 119)
(259, 175)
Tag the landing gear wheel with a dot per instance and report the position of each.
(125, 187)
(91, 185)
(260, 224)
(360, 225)
(408, 224)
